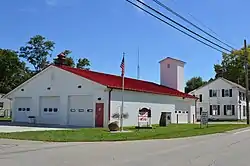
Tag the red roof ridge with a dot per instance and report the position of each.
(115, 81)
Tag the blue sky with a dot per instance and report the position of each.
(101, 30)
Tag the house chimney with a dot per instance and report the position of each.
(172, 73)
(60, 59)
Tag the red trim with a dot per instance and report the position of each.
(113, 81)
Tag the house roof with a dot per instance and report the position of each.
(233, 83)
(221, 78)
(174, 59)
(115, 82)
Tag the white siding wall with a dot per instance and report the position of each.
(218, 84)
(168, 76)
(7, 102)
(133, 101)
(63, 84)
(172, 74)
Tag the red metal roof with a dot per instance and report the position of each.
(113, 81)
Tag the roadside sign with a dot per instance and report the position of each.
(143, 117)
(204, 118)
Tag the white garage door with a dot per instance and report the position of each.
(80, 112)
(181, 116)
(49, 109)
(22, 109)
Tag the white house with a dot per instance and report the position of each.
(223, 99)
(69, 96)
(5, 106)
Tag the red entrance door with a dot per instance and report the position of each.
(99, 110)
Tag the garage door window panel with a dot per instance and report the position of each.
(89, 110)
(80, 110)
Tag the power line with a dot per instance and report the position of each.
(175, 27)
(202, 24)
(183, 18)
(182, 26)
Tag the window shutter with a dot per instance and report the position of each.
(233, 110)
(225, 110)
(230, 93)
(218, 109)
(210, 93)
(211, 110)
(200, 110)
(223, 92)
(200, 97)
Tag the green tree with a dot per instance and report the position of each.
(13, 72)
(232, 66)
(194, 83)
(37, 51)
(83, 63)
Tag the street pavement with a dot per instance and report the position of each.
(227, 149)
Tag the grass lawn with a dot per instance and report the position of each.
(5, 119)
(100, 134)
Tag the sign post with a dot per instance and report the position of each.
(204, 119)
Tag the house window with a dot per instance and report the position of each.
(213, 93)
(244, 110)
(227, 92)
(214, 110)
(229, 110)
(240, 97)
(1, 104)
(168, 65)
(200, 97)
(200, 110)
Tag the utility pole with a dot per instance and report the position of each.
(246, 75)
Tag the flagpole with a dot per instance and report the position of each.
(122, 107)
(138, 65)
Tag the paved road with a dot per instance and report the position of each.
(228, 149)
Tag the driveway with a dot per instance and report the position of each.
(228, 149)
(9, 129)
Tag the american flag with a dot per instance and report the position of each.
(122, 66)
